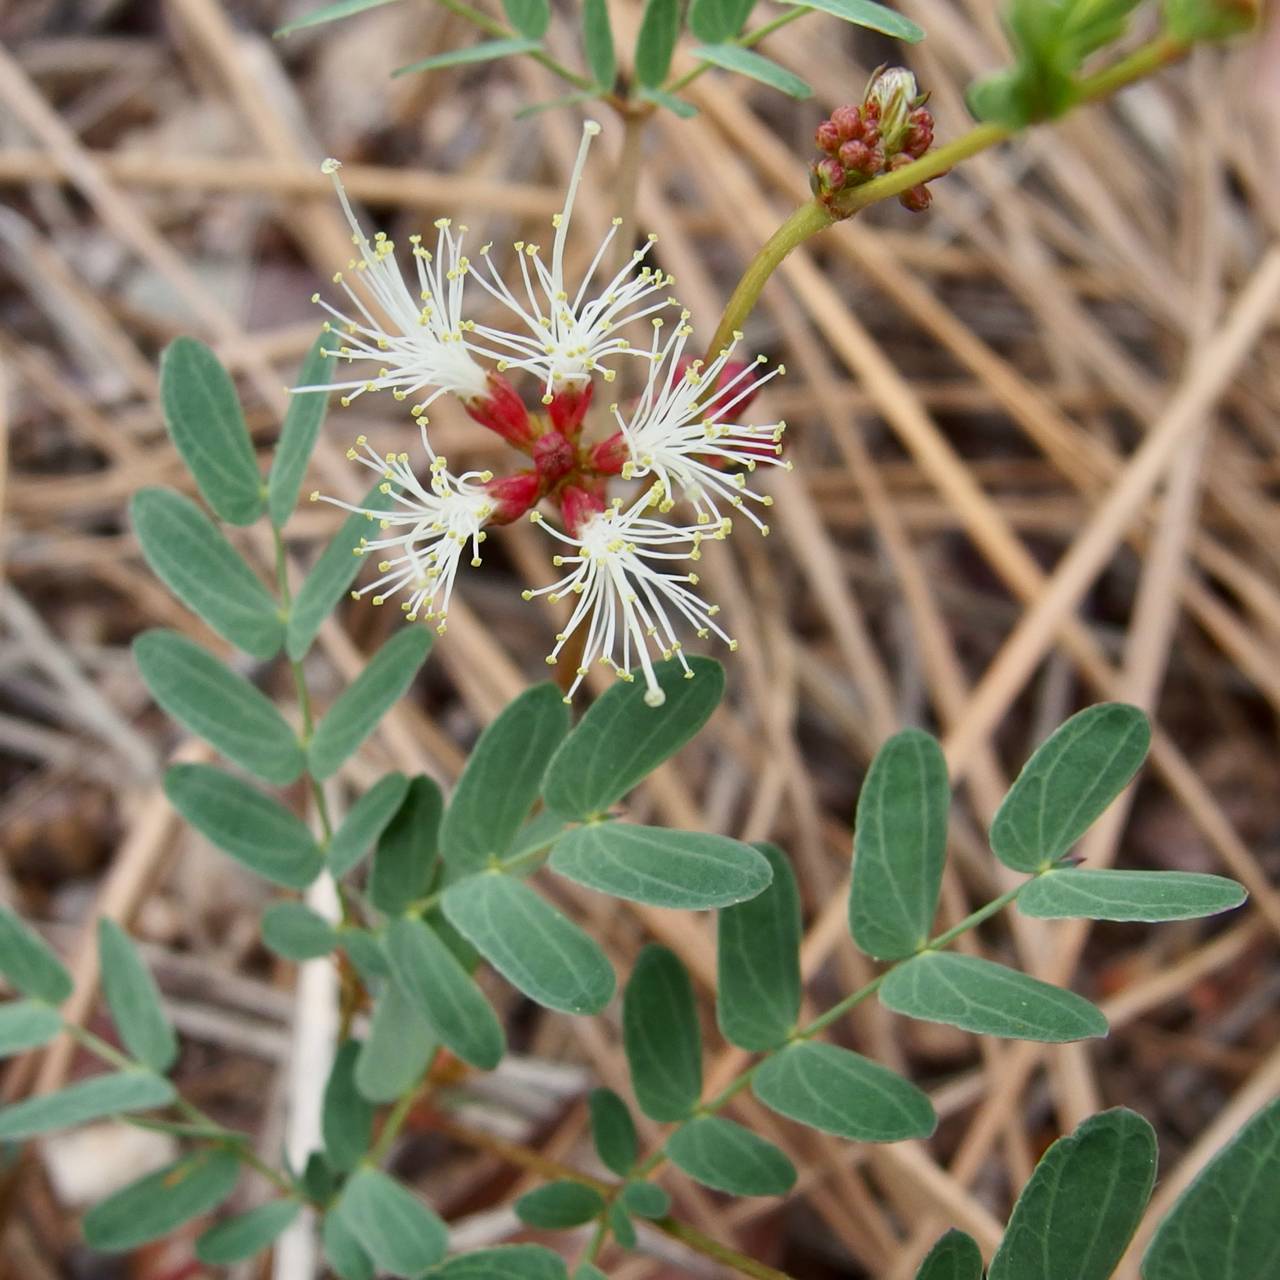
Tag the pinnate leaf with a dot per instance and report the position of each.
(1083, 1203)
(395, 1228)
(29, 964)
(256, 830)
(1072, 777)
(365, 822)
(538, 950)
(1071, 892)
(202, 412)
(689, 870)
(221, 707)
(955, 1257)
(661, 1035)
(302, 422)
(159, 1204)
(621, 740)
(1224, 1226)
(247, 1234)
(109, 1095)
(134, 1000)
(989, 999)
(189, 554)
(840, 1092)
(367, 699)
(502, 778)
(899, 846)
(443, 993)
(724, 1155)
(758, 943)
(559, 1205)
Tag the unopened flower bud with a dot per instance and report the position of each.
(858, 157)
(578, 505)
(553, 456)
(847, 122)
(513, 496)
(609, 456)
(828, 177)
(891, 96)
(502, 410)
(917, 198)
(827, 137)
(569, 407)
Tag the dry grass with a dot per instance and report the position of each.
(1036, 444)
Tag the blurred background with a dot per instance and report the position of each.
(970, 541)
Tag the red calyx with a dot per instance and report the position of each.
(503, 411)
(609, 456)
(553, 457)
(569, 407)
(513, 496)
(578, 505)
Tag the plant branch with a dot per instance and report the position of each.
(491, 26)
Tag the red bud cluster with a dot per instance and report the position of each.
(890, 128)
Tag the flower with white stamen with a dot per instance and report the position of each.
(422, 345)
(426, 530)
(682, 433)
(628, 592)
(569, 338)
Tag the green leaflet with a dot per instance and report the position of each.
(188, 553)
(24, 1025)
(352, 718)
(242, 1237)
(1072, 777)
(529, 17)
(330, 13)
(899, 846)
(866, 13)
(954, 1257)
(1067, 892)
(405, 858)
(502, 778)
(249, 826)
(620, 740)
(396, 1229)
(158, 1204)
(559, 1205)
(203, 415)
(109, 1095)
(342, 1251)
(646, 1200)
(661, 1035)
(302, 422)
(507, 1262)
(530, 943)
(758, 944)
(1083, 1203)
(715, 20)
(485, 51)
(365, 823)
(1224, 1226)
(832, 1089)
(346, 1115)
(613, 1131)
(746, 62)
(294, 931)
(443, 993)
(656, 41)
(597, 42)
(398, 1049)
(724, 1155)
(134, 1000)
(681, 869)
(989, 999)
(29, 964)
(221, 707)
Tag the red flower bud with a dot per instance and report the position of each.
(569, 407)
(578, 505)
(503, 411)
(513, 496)
(848, 122)
(829, 175)
(553, 457)
(857, 156)
(609, 456)
(917, 199)
(827, 137)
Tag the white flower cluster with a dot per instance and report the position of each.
(624, 558)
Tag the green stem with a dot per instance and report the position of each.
(811, 218)
(711, 1248)
(396, 1118)
(743, 42)
(491, 26)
